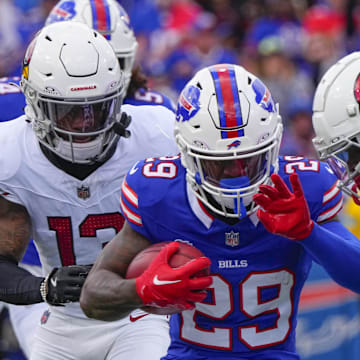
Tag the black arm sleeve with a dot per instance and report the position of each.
(18, 286)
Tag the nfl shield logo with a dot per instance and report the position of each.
(232, 238)
(83, 192)
(44, 317)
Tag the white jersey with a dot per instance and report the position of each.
(73, 219)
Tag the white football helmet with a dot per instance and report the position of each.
(228, 130)
(336, 121)
(73, 88)
(107, 17)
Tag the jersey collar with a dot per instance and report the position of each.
(203, 215)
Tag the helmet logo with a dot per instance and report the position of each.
(357, 89)
(79, 88)
(188, 104)
(64, 11)
(27, 59)
(234, 144)
(263, 96)
(228, 100)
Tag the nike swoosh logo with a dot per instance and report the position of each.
(53, 282)
(135, 318)
(134, 169)
(164, 282)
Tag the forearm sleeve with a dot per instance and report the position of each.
(18, 286)
(338, 251)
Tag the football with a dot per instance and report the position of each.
(183, 255)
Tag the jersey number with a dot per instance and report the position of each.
(251, 304)
(301, 165)
(64, 235)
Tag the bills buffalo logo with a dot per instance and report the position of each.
(357, 89)
(124, 16)
(27, 58)
(188, 104)
(234, 144)
(64, 11)
(263, 96)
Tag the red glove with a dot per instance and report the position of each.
(160, 285)
(285, 213)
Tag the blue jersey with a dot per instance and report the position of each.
(251, 308)
(12, 100)
(150, 97)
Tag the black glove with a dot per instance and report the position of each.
(63, 285)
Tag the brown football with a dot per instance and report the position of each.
(183, 255)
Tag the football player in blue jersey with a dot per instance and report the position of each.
(336, 121)
(110, 19)
(261, 219)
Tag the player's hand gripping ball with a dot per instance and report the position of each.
(172, 281)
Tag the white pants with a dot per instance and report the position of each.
(63, 337)
(25, 319)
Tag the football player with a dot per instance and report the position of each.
(61, 168)
(229, 132)
(109, 18)
(336, 122)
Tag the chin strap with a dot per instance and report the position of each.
(237, 183)
(121, 125)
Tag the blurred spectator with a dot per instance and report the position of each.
(201, 47)
(324, 36)
(285, 80)
(19, 21)
(280, 19)
(299, 133)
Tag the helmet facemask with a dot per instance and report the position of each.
(79, 132)
(231, 179)
(344, 160)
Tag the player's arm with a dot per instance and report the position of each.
(20, 287)
(17, 286)
(108, 296)
(287, 214)
(337, 250)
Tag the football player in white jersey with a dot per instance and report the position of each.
(61, 169)
(109, 18)
(336, 121)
